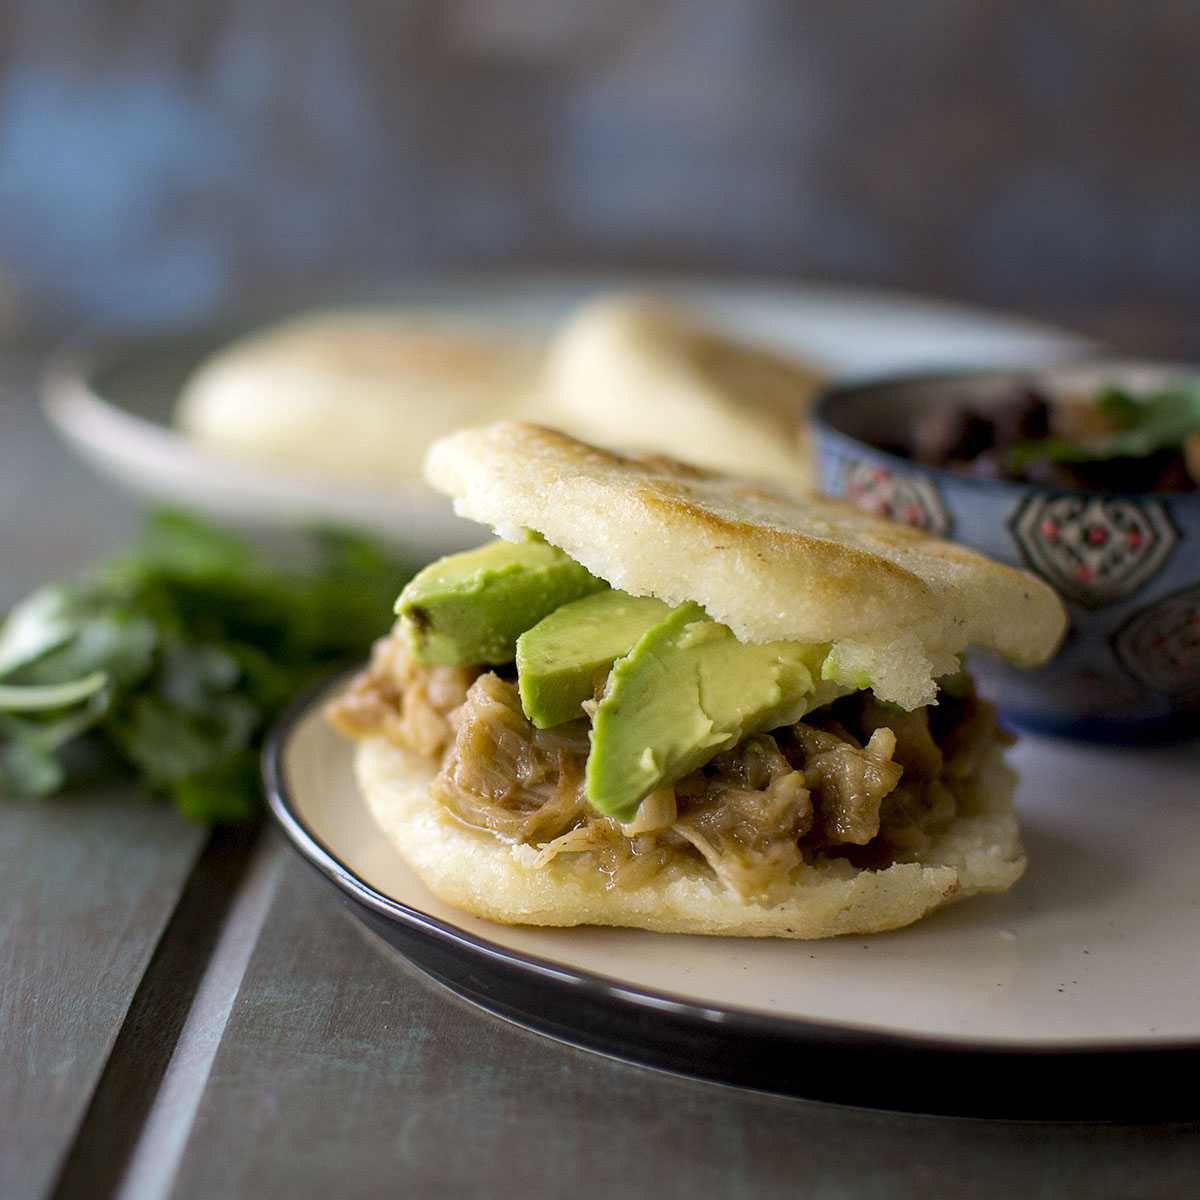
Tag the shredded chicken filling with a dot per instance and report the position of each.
(857, 779)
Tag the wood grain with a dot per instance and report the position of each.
(89, 885)
(344, 1071)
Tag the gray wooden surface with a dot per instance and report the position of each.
(89, 882)
(342, 1070)
(185, 1017)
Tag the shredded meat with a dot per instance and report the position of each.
(503, 774)
(408, 703)
(850, 781)
(859, 779)
(746, 812)
(526, 785)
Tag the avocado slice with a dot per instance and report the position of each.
(686, 691)
(565, 655)
(470, 608)
(835, 668)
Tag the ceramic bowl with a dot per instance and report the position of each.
(1126, 564)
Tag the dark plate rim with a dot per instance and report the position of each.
(810, 1059)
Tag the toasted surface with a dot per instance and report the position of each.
(354, 391)
(637, 372)
(474, 870)
(770, 564)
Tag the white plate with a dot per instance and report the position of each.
(112, 395)
(1080, 988)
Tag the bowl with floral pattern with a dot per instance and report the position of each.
(1087, 474)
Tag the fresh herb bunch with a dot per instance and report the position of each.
(174, 659)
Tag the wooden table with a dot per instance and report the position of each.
(189, 1015)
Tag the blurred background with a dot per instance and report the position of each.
(167, 160)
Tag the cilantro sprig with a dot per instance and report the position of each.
(1139, 428)
(174, 659)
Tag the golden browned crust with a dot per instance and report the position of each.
(770, 564)
(355, 391)
(640, 371)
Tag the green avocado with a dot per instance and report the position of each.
(470, 608)
(562, 659)
(686, 691)
(834, 668)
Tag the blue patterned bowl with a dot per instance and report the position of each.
(1127, 564)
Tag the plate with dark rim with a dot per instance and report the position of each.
(1074, 996)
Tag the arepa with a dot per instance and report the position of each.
(846, 805)
(355, 392)
(644, 372)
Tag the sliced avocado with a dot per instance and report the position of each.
(688, 690)
(836, 668)
(471, 607)
(565, 655)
